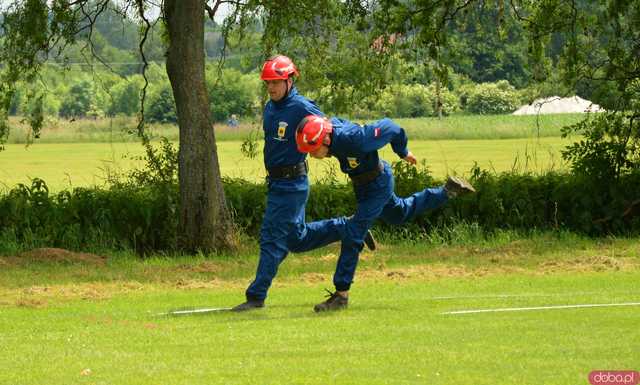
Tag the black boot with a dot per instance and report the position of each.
(456, 186)
(250, 304)
(334, 302)
(369, 241)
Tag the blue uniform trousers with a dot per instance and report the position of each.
(284, 229)
(377, 200)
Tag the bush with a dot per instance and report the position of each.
(28, 98)
(415, 100)
(490, 98)
(610, 145)
(160, 106)
(125, 96)
(78, 101)
(144, 216)
(234, 93)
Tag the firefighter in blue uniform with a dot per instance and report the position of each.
(356, 147)
(283, 227)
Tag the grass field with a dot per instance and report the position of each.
(64, 165)
(80, 153)
(122, 129)
(78, 319)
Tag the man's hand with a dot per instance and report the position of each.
(410, 158)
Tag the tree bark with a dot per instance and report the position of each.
(205, 222)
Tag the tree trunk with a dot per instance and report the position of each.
(205, 223)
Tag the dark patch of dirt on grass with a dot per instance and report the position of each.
(203, 267)
(31, 302)
(594, 263)
(314, 277)
(41, 296)
(55, 255)
(188, 284)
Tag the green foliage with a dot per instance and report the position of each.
(249, 147)
(552, 201)
(73, 94)
(161, 107)
(247, 202)
(78, 102)
(30, 98)
(552, 86)
(599, 57)
(125, 96)
(487, 43)
(235, 93)
(416, 100)
(231, 92)
(610, 146)
(409, 179)
(16, 101)
(344, 48)
(160, 167)
(491, 98)
(140, 218)
(29, 29)
(140, 212)
(331, 43)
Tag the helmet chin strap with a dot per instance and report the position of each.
(288, 88)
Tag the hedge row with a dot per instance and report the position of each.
(145, 218)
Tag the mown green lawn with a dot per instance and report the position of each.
(64, 165)
(394, 333)
(93, 323)
(122, 129)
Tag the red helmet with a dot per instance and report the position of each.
(278, 68)
(311, 132)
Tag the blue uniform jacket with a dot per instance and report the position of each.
(279, 124)
(356, 147)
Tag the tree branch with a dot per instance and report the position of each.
(100, 8)
(514, 7)
(211, 11)
(143, 92)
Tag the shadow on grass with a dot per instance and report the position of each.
(270, 313)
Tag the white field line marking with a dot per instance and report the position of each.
(527, 295)
(196, 311)
(507, 309)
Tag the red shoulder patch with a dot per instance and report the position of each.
(376, 132)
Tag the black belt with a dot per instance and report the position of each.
(288, 172)
(367, 177)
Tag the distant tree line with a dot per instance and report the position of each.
(487, 74)
(81, 94)
(402, 58)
